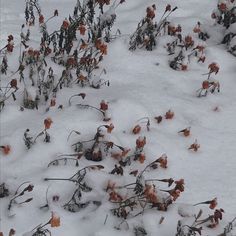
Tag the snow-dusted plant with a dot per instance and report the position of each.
(7, 92)
(182, 50)
(29, 140)
(147, 32)
(210, 84)
(42, 229)
(225, 14)
(7, 49)
(229, 228)
(76, 203)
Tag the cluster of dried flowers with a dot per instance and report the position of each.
(78, 46)
(225, 14)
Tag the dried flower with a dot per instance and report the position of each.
(214, 67)
(136, 129)
(41, 19)
(109, 128)
(6, 149)
(140, 142)
(141, 158)
(47, 123)
(82, 29)
(65, 24)
(55, 220)
(169, 114)
(103, 105)
(195, 146)
(13, 83)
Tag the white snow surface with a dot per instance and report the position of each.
(139, 88)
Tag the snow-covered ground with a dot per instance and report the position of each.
(142, 85)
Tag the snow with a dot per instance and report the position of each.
(141, 85)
